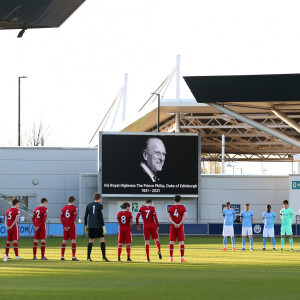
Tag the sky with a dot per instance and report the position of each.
(76, 71)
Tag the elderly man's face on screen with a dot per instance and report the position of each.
(155, 154)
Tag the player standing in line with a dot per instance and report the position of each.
(269, 218)
(11, 223)
(229, 217)
(68, 220)
(286, 215)
(177, 215)
(125, 224)
(151, 226)
(247, 220)
(94, 225)
(40, 231)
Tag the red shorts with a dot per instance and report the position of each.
(177, 233)
(150, 230)
(41, 234)
(13, 234)
(71, 234)
(125, 237)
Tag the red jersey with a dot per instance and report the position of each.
(11, 216)
(176, 212)
(68, 215)
(149, 216)
(124, 218)
(39, 216)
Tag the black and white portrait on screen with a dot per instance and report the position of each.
(154, 155)
(149, 163)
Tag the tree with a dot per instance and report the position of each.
(37, 135)
(211, 167)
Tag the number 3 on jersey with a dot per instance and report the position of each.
(123, 219)
(176, 214)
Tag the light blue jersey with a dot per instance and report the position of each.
(229, 216)
(269, 219)
(247, 218)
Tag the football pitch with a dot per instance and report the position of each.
(208, 273)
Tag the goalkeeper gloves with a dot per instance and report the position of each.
(104, 230)
(86, 229)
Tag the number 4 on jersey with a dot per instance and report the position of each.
(176, 214)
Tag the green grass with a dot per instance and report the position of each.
(208, 274)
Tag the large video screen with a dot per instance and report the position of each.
(145, 164)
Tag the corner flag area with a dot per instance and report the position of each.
(209, 273)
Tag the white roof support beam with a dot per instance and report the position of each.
(286, 119)
(178, 77)
(256, 125)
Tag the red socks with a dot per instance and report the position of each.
(74, 249)
(16, 249)
(63, 249)
(171, 250)
(128, 250)
(7, 248)
(182, 251)
(158, 245)
(34, 248)
(43, 247)
(147, 251)
(120, 250)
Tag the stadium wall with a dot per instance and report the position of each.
(255, 190)
(56, 169)
(216, 190)
(64, 171)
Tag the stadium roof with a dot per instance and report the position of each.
(24, 14)
(245, 88)
(243, 141)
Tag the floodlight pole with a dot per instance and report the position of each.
(158, 109)
(19, 109)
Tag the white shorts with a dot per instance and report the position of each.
(228, 231)
(246, 231)
(268, 232)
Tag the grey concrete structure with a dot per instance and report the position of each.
(216, 190)
(240, 189)
(55, 172)
(88, 186)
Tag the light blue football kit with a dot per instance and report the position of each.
(229, 216)
(247, 217)
(269, 221)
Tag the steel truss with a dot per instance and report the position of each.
(243, 142)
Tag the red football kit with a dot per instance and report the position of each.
(176, 212)
(68, 217)
(39, 220)
(150, 221)
(13, 233)
(124, 218)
